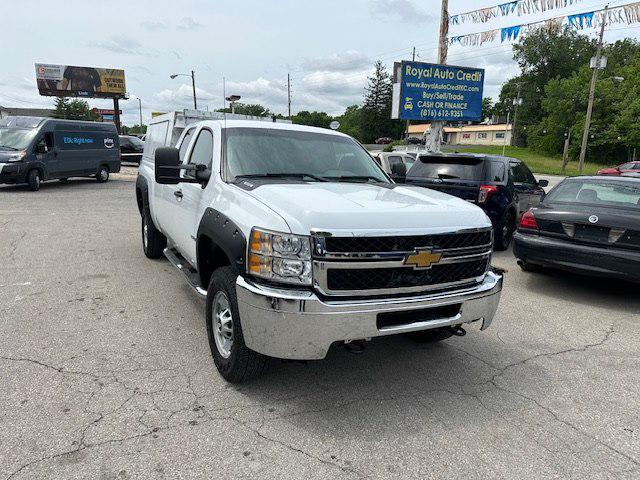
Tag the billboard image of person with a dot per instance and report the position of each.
(72, 81)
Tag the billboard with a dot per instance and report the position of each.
(71, 81)
(439, 92)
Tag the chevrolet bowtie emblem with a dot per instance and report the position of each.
(422, 259)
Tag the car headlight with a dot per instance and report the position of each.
(280, 257)
(16, 157)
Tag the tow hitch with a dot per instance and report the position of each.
(458, 330)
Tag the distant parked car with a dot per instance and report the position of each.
(131, 148)
(589, 225)
(390, 163)
(384, 141)
(503, 187)
(415, 141)
(620, 169)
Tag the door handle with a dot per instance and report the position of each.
(178, 194)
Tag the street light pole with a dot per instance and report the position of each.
(193, 84)
(437, 126)
(140, 105)
(592, 91)
(517, 102)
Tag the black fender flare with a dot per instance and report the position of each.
(142, 194)
(225, 235)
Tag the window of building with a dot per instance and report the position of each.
(482, 135)
(499, 135)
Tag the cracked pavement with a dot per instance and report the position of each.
(107, 374)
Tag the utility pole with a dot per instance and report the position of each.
(592, 92)
(517, 102)
(289, 94)
(193, 84)
(565, 151)
(434, 139)
(406, 139)
(116, 114)
(140, 105)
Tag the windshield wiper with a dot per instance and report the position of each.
(357, 178)
(447, 176)
(9, 147)
(283, 175)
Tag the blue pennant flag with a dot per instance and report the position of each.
(507, 8)
(581, 20)
(510, 33)
(454, 20)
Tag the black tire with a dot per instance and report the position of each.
(153, 241)
(503, 233)
(34, 180)
(529, 267)
(103, 174)
(431, 336)
(241, 364)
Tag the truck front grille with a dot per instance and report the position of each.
(368, 266)
(406, 244)
(392, 278)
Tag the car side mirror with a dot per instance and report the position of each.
(168, 166)
(543, 183)
(399, 172)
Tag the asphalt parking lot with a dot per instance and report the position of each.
(106, 372)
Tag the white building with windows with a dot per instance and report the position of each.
(469, 134)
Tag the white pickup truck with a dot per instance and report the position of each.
(298, 240)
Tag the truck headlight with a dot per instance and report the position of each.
(280, 257)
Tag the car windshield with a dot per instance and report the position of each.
(136, 142)
(618, 194)
(263, 152)
(435, 166)
(16, 138)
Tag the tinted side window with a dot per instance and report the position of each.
(518, 173)
(202, 153)
(496, 171)
(394, 160)
(185, 142)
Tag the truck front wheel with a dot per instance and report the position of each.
(33, 179)
(233, 359)
(153, 241)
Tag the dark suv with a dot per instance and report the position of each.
(131, 148)
(504, 187)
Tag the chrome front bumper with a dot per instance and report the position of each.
(299, 325)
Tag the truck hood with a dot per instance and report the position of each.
(359, 209)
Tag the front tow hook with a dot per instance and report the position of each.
(458, 330)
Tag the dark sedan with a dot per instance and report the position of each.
(131, 148)
(588, 225)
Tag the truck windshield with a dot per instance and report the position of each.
(270, 152)
(16, 138)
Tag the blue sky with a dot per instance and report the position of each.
(327, 46)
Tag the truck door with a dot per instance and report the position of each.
(46, 153)
(185, 199)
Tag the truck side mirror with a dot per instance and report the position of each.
(399, 172)
(169, 165)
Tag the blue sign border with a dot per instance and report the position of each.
(440, 92)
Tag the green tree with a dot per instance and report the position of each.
(376, 119)
(73, 109)
(314, 119)
(61, 107)
(253, 109)
(487, 108)
(351, 122)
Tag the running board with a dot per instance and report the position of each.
(187, 270)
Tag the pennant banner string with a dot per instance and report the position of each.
(519, 7)
(627, 14)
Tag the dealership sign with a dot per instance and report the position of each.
(71, 81)
(426, 91)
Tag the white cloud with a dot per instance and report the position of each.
(120, 45)
(338, 62)
(153, 25)
(188, 23)
(403, 10)
(181, 97)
